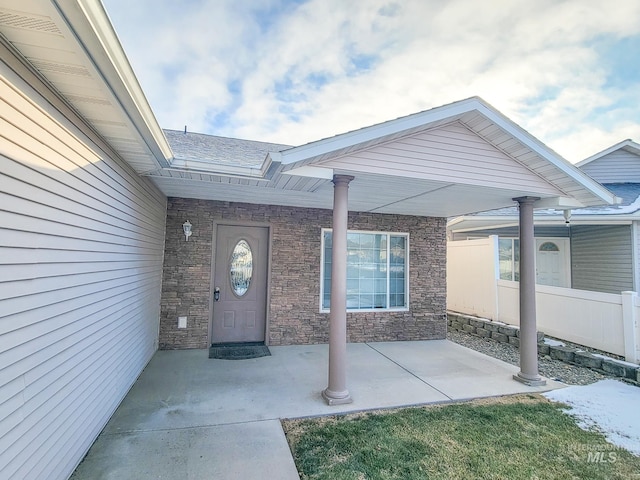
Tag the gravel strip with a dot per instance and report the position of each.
(547, 366)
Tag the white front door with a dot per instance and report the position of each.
(552, 262)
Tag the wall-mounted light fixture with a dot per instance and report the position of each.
(567, 217)
(186, 227)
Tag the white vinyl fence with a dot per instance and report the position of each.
(604, 321)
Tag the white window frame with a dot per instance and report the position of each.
(406, 278)
(513, 258)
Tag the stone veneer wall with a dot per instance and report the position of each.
(293, 309)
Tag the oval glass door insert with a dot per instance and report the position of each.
(241, 268)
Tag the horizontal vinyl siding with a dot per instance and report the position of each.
(602, 258)
(449, 154)
(617, 167)
(81, 249)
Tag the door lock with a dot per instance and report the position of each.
(216, 294)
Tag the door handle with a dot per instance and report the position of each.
(216, 294)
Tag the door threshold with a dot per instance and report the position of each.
(237, 344)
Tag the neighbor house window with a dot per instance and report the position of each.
(509, 258)
(377, 270)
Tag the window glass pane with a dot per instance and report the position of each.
(328, 240)
(398, 301)
(397, 270)
(549, 247)
(516, 261)
(375, 261)
(241, 268)
(326, 283)
(505, 258)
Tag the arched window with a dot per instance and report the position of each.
(549, 247)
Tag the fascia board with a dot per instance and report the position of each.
(93, 30)
(456, 220)
(195, 165)
(230, 173)
(311, 172)
(223, 170)
(275, 157)
(558, 220)
(475, 228)
(557, 203)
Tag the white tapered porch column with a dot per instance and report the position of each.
(528, 337)
(336, 393)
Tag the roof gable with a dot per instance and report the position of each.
(451, 153)
(617, 164)
(559, 176)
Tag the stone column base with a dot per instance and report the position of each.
(532, 382)
(336, 398)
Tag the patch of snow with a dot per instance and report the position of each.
(610, 406)
(614, 209)
(622, 362)
(553, 343)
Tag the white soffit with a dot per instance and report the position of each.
(72, 45)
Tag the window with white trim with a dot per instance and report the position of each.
(377, 270)
(509, 258)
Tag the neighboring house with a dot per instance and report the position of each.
(593, 248)
(98, 267)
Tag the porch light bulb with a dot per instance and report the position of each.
(186, 226)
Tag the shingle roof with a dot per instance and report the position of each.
(220, 150)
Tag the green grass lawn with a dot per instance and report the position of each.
(525, 437)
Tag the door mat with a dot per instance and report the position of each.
(238, 351)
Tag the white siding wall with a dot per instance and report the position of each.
(81, 247)
(617, 167)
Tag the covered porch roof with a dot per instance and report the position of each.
(459, 158)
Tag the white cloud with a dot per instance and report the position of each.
(295, 65)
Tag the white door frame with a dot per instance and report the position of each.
(564, 243)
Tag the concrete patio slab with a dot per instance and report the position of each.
(191, 417)
(456, 371)
(245, 450)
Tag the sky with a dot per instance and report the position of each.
(295, 71)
